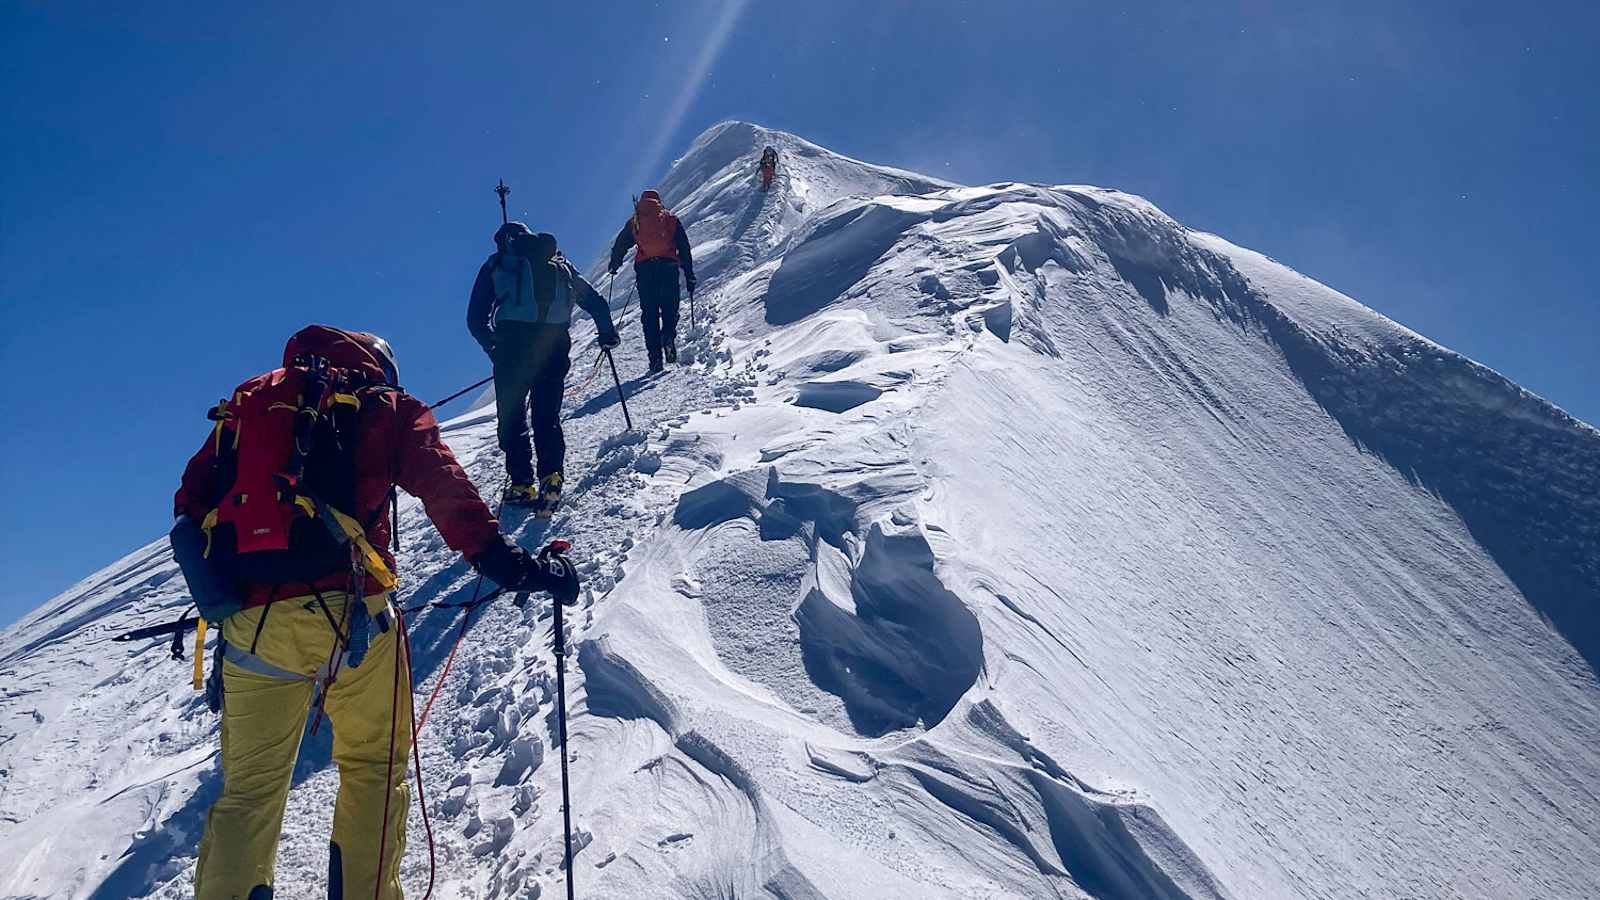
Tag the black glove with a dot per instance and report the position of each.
(609, 339)
(615, 268)
(513, 569)
(690, 281)
(504, 563)
(559, 574)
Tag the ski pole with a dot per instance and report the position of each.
(621, 395)
(502, 190)
(462, 391)
(561, 718)
(611, 292)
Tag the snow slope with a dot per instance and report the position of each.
(1007, 541)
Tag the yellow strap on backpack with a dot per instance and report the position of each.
(200, 655)
(207, 526)
(370, 559)
(220, 415)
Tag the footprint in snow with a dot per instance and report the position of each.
(675, 841)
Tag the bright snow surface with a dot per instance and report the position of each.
(998, 542)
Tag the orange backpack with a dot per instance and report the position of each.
(654, 229)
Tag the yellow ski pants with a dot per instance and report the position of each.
(267, 695)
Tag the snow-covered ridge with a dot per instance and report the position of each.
(1002, 541)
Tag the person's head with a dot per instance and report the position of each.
(649, 202)
(508, 234)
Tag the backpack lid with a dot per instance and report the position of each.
(342, 349)
(543, 246)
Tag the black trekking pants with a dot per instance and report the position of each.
(658, 304)
(530, 374)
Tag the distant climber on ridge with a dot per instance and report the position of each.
(663, 250)
(282, 534)
(769, 166)
(521, 315)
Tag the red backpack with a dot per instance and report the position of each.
(655, 230)
(286, 451)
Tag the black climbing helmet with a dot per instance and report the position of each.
(508, 234)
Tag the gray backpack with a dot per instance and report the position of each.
(541, 296)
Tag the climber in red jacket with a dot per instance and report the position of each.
(283, 534)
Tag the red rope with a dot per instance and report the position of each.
(477, 587)
(416, 759)
(419, 723)
(578, 388)
(388, 781)
(449, 661)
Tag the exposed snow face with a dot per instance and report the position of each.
(1005, 542)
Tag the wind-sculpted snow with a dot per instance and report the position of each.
(1006, 542)
(883, 636)
(900, 649)
(1521, 473)
(831, 258)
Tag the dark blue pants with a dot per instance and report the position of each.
(530, 375)
(658, 304)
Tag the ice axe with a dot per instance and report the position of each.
(503, 191)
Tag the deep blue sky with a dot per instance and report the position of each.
(184, 185)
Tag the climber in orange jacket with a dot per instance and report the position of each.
(663, 249)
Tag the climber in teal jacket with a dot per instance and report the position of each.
(520, 313)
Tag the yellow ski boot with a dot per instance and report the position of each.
(549, 496)
(521, 495)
